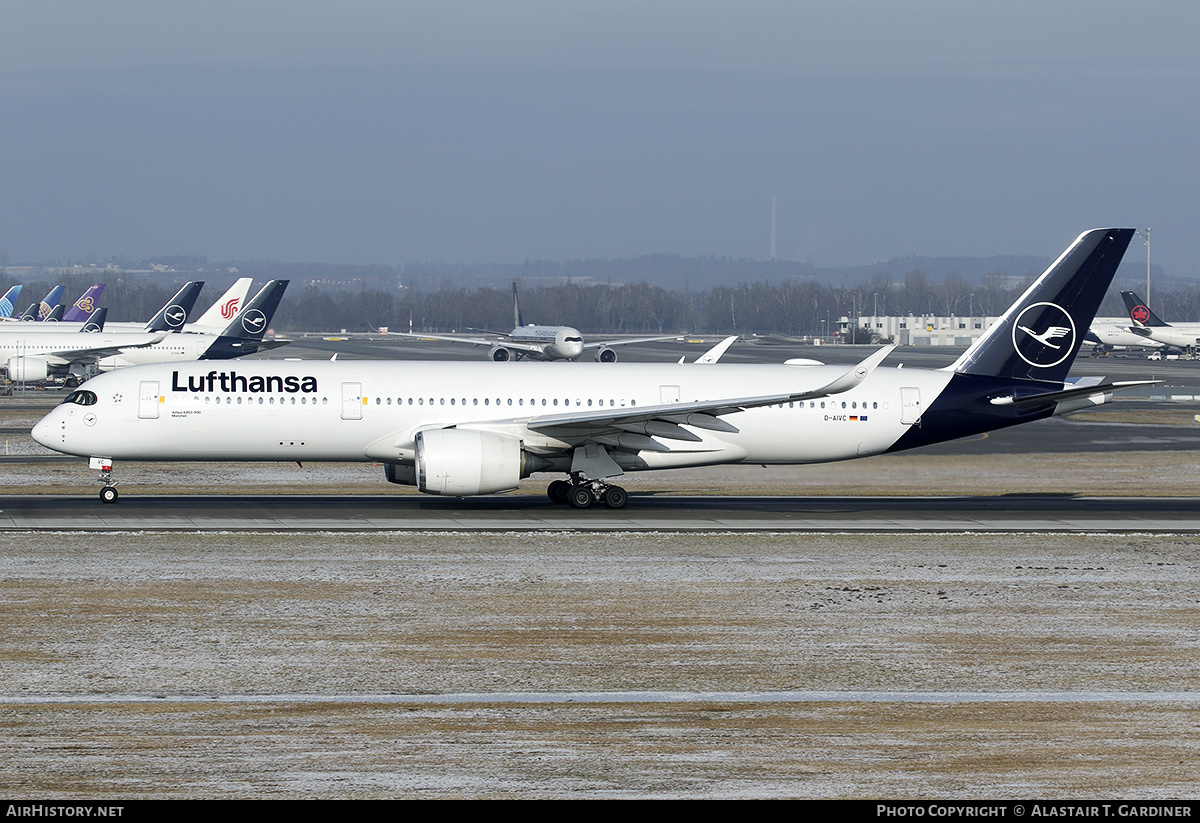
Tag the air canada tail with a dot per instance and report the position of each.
(1139, 312)
(1038, 337)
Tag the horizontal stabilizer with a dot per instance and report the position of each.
(1044, 398)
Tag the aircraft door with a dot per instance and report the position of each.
(148, 399)
(910, 406)
(352, 401)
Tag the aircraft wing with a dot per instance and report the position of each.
(84, 353)
(473, 341)
(628, 341)
(632, 427)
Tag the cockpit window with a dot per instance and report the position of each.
(574, 339)
(81, 398)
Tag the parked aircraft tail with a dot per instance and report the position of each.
(244, 334)
(9, 301)
(1139, 312)
(1040, 334)
(518, 321)
(39, 311)
(95, 322)
(82, 308)
(173, 315)
(225, 309)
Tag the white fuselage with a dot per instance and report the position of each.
(1179, 335)
(1118, 335)
(64, 347)
(557, 342)
(175, 347)
(372, 410)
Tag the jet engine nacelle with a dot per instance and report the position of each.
(27, 369)
(500, 354)
(606, 355)
(463, 462)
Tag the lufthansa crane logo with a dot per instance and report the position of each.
(175, 315)
(1139, 314)
(254, 321)
(1044, 335)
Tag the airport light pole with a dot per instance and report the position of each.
(1146, 235)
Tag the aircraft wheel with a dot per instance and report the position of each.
(559, 491)
(108, 494)
(616, 497)
(582, 497)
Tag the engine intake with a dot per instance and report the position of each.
(463, 462)
(27, 369)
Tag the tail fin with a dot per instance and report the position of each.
(246, 331)
(518, 321)
(95, 321)
(55, 314)
(83, 308)
(1139, 312)
(1039, 335)
(39, 311)
(225, 309)
(9, 301)
(173, 315)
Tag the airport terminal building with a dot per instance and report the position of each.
(925, 329)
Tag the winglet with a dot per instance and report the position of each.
(714, 354)
(852, 378)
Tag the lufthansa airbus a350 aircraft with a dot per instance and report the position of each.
(467, 429)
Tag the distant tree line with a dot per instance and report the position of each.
(789, 306)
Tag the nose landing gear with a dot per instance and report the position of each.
(108, 494)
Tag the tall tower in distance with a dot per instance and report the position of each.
(772, 227)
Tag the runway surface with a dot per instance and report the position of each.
(1023, 513)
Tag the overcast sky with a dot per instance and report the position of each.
(465, 132)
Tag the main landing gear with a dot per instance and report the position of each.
(583, 493)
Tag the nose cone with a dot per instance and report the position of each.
(43, 432)
(569, 343)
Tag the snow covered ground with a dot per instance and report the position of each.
(674, 665)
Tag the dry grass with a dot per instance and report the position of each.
(341, 617)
